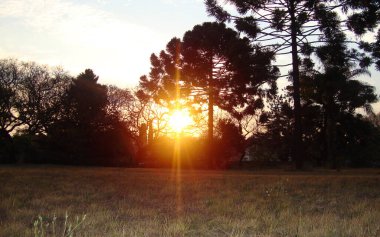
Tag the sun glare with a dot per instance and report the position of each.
(179, 120)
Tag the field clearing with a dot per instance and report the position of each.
(155, 202)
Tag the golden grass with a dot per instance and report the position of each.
(154, 202)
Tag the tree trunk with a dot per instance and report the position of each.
(143, 139)
(210, 134)
(329, 142)
(297, 142)
(330, 135)
(322, 161)
(150, 132)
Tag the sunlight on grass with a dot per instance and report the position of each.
(151, 202)
(177, 177)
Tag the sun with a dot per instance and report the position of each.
(179, 120)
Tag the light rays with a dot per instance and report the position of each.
(178, 125)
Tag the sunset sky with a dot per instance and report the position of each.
(113, 37)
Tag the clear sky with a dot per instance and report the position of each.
(113, 37)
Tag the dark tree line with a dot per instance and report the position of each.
(300, 29)
(48, 116)
(227, 79)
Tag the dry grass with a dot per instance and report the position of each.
(138, 202)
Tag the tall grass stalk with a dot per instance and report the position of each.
(43, 227)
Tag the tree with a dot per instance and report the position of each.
(229, 143)
(220, 67)
(214, 67)
(8, 97)
(336, 90)
(137, 111)
(295, 27)
(375, 120)
(120, 103)
(88, 101)
(84, 121)
(31, 96)
(30, 99)
(148, 118)
(40, 93)
(9, 83)
(359, 145)
(276, 133)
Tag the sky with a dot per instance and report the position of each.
(115, 38)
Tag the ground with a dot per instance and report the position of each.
(34, 201)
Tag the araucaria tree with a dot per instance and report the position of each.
(296, 27)
(338, 93)
(221, 68)
(214, 67)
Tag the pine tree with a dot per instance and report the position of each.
(296, 27)
(214, 67)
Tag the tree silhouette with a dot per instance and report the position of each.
(30, 100)
(161, 83)
(214, 67)
(88, 101)
(295, 27)
(120, 103)
(9, 83)
(220, 68)
(84, 120)
(375, 120)
(336, 90)
(40, 95)
(229, 137)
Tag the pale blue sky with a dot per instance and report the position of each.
(113, 37)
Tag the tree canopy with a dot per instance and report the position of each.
(211, 66)
(297, 27)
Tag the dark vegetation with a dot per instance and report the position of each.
(312, 32)
(228, 80)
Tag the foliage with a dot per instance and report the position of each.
(297, 28)
(338, 95)
(229, 143)
(358, 142)
(40, 94)
(374, 119)
(86, 130)
(47, 117)
(211, 66)
(223, 68)
(31, 96)
(9, 82)
(30, 100)
(272, 145)
(120, 103)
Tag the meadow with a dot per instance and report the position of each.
(45, 200)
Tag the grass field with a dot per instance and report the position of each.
(153, 202)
